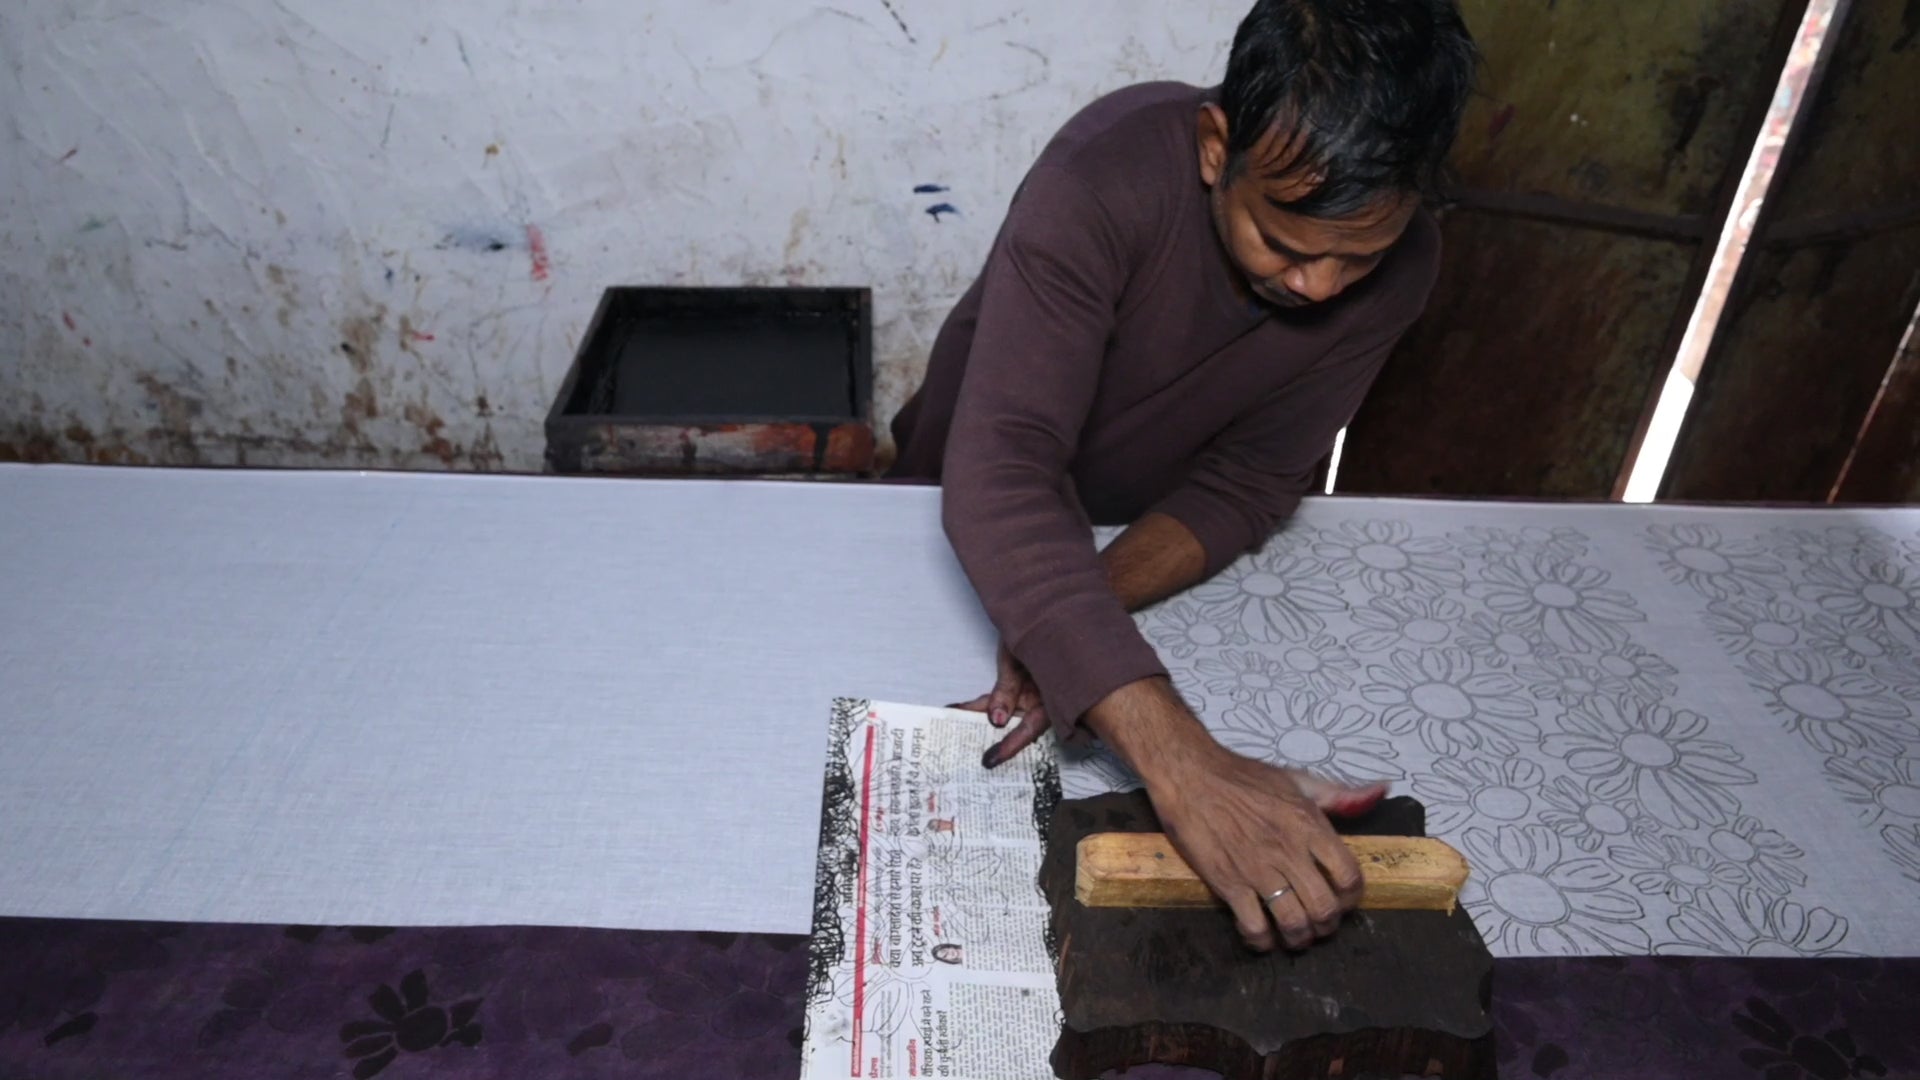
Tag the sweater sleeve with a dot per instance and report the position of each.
(1249, 481)
(1051, 289)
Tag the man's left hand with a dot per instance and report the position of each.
(1014, 696)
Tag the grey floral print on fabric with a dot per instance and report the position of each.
(1506, 678)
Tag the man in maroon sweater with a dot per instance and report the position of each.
(1191, 293)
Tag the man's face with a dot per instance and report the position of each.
(1289, 260)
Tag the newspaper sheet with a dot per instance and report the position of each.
(929, 954)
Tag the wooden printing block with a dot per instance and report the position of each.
(1391, 993)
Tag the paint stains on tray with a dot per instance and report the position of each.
(937, 209)
(773, 447)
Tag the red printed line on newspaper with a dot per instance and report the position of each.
(860, 910)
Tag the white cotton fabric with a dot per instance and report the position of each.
(407, 699)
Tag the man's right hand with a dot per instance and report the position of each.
(1249, 829)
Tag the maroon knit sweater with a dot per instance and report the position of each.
(1105, 365)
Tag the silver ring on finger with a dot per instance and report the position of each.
(1278, 893)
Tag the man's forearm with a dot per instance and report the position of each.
(1152, 730)
(1145, 722)
(1153, 559)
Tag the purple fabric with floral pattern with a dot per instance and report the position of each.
(1704, 1017)
(86, 1000)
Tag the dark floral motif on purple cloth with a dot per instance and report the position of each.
(407, 1021)
(365, 935)
(1707, 1018)
(82, 1000)
(1786, 1054)
(51, 984)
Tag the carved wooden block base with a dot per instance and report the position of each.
(1392, 993)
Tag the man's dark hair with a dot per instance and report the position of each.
(1368, 91)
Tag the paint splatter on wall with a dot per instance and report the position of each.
(537, 253)
(179, 271)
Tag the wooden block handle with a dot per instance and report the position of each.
(1402, 873)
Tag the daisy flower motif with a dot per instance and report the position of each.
(1904, 845)
(1815, 546)
(1560, 678)
(1713, 566)
(1767, 856)
(1323, 737)
(1632, 670)
(1744, 625)
(1670, 866)
(1569, 604)
(1491, 643)
(1855, 650)
(1527, 894)
(1404, 622)
(1901, 674)
(1748, 922)
(1181, 629)
(1272, 597)
(1459, 788)
(1653, 753)
(1867, 592)
(1243, 677)
(1387, 557)
(1878, 786)
(1831, 710)
(1834, 542)
(1805, 546)
(1294, 538)
(1574, 813)
(1322, 665)
(1454, 707)
(1480, 542)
